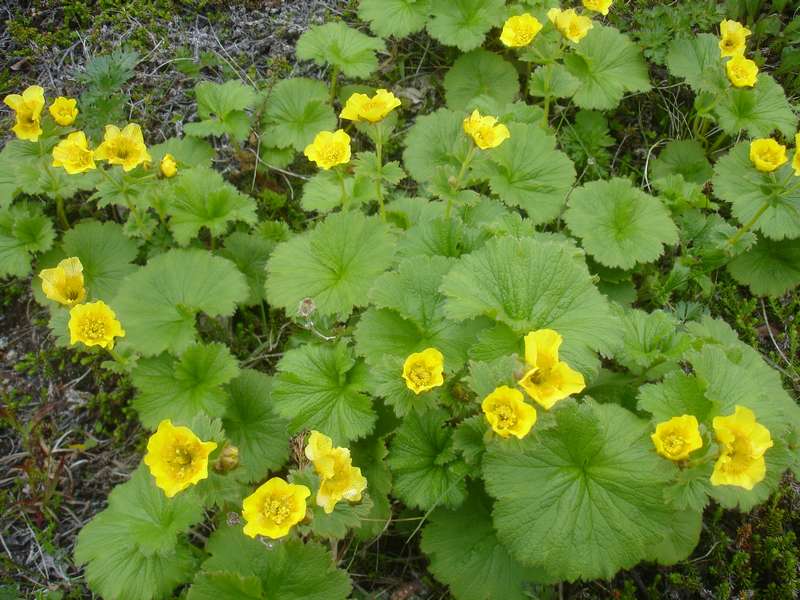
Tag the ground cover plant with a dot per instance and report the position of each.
(475, 323)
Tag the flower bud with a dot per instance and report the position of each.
(228, 459)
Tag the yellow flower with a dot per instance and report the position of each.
(64, 110)
(28, 108)
(274, 508)
(796, 159)
(485, 131)
(329, 148)
(360, 107)
(169, 167)
(125, 148)
(742, 71)
(507, 412)
(572, 26)
(677, 438)
(94, 324)
(600, 6)
(64, 283)
(520, 30)
(767, 154)
(733, 38)
(339, 479)
(424, 370)
(548, 379)
(177, 458)
(743, 443)
(73, 154)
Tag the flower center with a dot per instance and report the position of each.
(420, 374)
(506, 416)
(523, 35)
(537, 376)
(276, 511)
(332, 153)
(79, 156)
(93, 328)
(181, 461)
(674, 444)
(729, 43)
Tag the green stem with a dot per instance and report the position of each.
(116, 356)
(718, 143)
(343, 188)
(746, 227)
(334, 78)
(546, 113)
(379, 155)
(457, 183)
(62, 214)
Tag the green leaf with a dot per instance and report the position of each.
(132, 549)
(620, 225)
(343, 47)
(254, 426)
(769, 268)
(478, 73)
(24, 230)
(297, 109)
(468, 439)
(323, 191)
(397, 18)
(413, 292)
(485, 376)
(683, 157)
(426, 470)
(435, 141)
(650, 341)
(334, 264)
(591, 482)
(737, 181)
(225, 585)
(528, 284)
(321, 387)
(679, 394)
(553, 80)
(250, 252)
(697, 60)
(180, 389)
(607, 64)
(288, 569)
(158, 304)
(187, 151)
(466, 555)
(366, 166)
(439, 237)
(369, 454)
(527, 171)
(221, 106)
(759, 111)
(202, 198)
(682, 539)
(464, 23)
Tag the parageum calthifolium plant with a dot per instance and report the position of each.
(464, 337)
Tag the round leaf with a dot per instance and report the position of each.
(478, 73)
(618, 224)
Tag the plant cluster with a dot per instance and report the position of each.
(464, 340)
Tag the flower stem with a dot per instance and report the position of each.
(343, 188)
(116, 356)
(379, 180)
(334, 79)
(746, 227)
(62, 214)
(456, 185)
